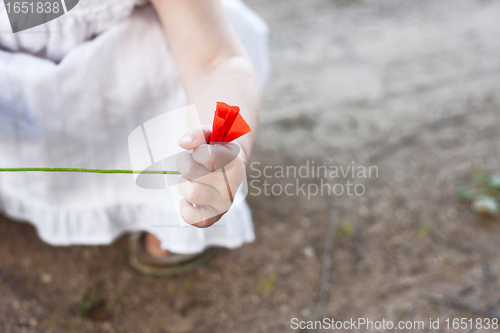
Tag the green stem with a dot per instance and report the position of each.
(147, 172)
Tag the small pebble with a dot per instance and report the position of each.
(16, 305)
(309, 252)
(33, 322)
(486, 206)
(46, 278)
(306, 312)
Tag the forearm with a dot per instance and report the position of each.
(232, 81)
(212, 63)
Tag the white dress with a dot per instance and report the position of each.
(71, 91)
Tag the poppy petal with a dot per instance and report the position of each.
(217, 130)
(239, 128)
(228, 124)
(222, 109)
(230, 118)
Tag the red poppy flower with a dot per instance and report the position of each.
(228, 124)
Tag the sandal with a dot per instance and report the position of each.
(172, 264)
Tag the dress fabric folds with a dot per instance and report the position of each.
(71, 91)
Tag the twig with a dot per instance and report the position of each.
(460, 305)
(326, 272)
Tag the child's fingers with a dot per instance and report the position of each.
(194, 137)
(198, 216)
(189, 168)
(205, 195)
(193, 171)
(214, 157)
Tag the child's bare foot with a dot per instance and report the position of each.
(153, 247)
(146, 256)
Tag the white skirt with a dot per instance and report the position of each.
(79, 113)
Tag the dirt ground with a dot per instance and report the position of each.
(412, 88)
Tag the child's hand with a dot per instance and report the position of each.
(211, 176)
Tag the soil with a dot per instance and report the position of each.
(411, 88)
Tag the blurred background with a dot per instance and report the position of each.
(411, 87)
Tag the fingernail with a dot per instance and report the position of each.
(187, 139)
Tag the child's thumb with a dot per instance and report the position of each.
(195, 137)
